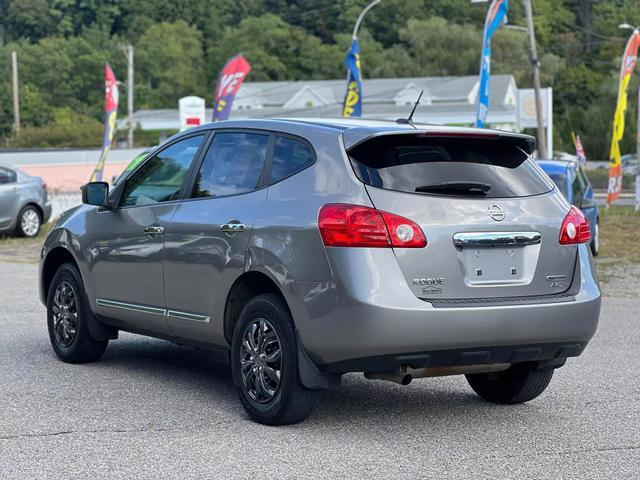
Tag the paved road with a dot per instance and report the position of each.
(151, 409)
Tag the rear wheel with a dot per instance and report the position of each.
(264, 362)
(29, 222)
(520, 383)
(67, 310)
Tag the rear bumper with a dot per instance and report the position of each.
(374, 322)
(46, 212)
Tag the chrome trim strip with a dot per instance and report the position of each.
(153, 310)
(188, 316)
(488, 239)
(130, 306)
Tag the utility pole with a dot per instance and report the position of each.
(535, 70)
(16, 94)
(128, 53)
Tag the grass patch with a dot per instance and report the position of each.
(600, 180)
(619, 231)
(21, 249)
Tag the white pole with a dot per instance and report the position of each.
(16, 94)
(130, 94)
(550, 121)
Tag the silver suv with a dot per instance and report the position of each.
(311, 248)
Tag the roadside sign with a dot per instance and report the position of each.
(191, 112)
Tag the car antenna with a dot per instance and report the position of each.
(413, 110)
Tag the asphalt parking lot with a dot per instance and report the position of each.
(151, 409)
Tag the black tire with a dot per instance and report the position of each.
(33, 220)
(520, 383)
(78, 347)
(595, 241)
(291, 402)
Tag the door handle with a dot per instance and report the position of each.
(232, 227)
(153, 230)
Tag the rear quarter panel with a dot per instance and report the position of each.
(286, 243)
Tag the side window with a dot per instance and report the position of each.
(579, 187)
(7, 176)
(290, 156)
(233, 164)
(161, 177)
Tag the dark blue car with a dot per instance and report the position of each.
(571, 180)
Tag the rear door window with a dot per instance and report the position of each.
(451, 166)
(232, 165)
(7, 175)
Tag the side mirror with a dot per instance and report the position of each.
(96, 193)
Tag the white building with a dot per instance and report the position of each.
(446, 100)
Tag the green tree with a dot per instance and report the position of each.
(170, 64)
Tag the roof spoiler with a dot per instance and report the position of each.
(358, 135)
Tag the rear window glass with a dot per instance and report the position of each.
(490, 168)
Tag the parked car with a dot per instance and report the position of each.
(24, 204)
(574, 184)
(310, 248)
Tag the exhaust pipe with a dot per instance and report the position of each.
(397, 376)
(406, 374)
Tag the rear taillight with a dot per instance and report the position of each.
(575, 228)
(344, 225)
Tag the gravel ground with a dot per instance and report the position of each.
(152, 409)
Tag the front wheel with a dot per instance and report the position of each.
(264, 363)
(518, 384)
(67, 310)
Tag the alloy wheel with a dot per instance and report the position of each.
(65, 314)
(30, 222)
(261, 360)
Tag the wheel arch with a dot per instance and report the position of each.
(251, 284)
(36, 206)
(54, 259)
(248, 285)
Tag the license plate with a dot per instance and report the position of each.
(495, 265)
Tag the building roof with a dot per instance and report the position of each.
(446, 100)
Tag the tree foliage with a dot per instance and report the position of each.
(180, 46)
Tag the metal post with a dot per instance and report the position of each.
(535, 70)
(16, 94)
(549, 107)
(129, 50)
(356, 27)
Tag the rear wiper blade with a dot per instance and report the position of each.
(474, 188)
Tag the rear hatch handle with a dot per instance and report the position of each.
(490, 239)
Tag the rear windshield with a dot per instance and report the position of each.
(490, 168)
